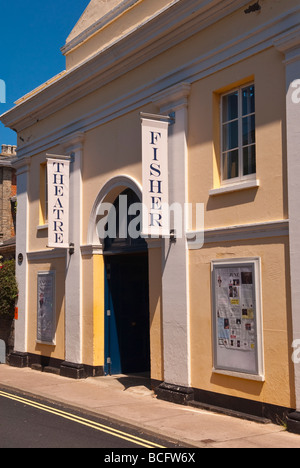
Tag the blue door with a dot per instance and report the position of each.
(127, 335)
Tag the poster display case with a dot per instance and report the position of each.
(46, 314)
(237, 321)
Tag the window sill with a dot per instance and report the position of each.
(246, 184)
(240, 375)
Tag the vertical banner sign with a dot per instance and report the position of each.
(156, 221)
(58, 171)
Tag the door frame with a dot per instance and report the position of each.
(109, 312)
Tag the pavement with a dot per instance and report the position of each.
(131, 401)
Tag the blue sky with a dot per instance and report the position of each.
(31, 35)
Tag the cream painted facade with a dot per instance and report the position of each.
(125, 57)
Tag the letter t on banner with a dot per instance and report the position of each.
(58, 172)
(156, 222)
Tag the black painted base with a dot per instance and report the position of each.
(18, 359)
(293, 422)
(175, 393)
(54, 366)
(72, 371)
(232, 406)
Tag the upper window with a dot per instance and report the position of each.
(238, 159)
(43, 195)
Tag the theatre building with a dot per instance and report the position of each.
(158, 202)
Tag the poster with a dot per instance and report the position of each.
(235, 317)
(235, 302)
(46, 307)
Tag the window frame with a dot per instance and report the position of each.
(240, 178)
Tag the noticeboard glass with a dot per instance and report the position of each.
(46, 316)
(236, 317)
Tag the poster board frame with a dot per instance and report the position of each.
(46, 332)
(239, 362)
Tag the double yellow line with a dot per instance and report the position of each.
(85, 422)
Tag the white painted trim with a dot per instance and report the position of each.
(241, 185)
(21, 325)
(291, 48)
(73, 282)
(238, 233)
(42, 227)
(240, 375)
(46, 254)
(175, 259)
(89, 250)
(121, 183)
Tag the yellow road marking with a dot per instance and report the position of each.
(85, 422)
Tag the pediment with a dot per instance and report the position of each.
(96, 10)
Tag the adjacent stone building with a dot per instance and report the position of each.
(8, 197)
(7, 201)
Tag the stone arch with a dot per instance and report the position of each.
(108, 194)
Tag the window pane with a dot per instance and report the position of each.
(230, 165)
(248, 130)
(249, 163)
(230, 107)
(230, 136)
(248, 97)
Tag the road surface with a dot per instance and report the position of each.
(29, 423)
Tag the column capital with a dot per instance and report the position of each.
(288, 43)
(73, 142)
(173, 97)
(21, 164)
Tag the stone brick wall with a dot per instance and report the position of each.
(7, 193)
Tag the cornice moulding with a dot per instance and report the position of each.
(252, 42)
(73, 141)
(173, 96)
(267, 229)
(178, 22)
(289, 40)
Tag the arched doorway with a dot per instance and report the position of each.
(127, 329)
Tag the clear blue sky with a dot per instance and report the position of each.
(31, 35)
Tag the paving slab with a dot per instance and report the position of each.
(132, 402)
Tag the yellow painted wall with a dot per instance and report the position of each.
(268, 202)
(278, 388)
(93, 310)
(56, 351)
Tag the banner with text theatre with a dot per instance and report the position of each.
(58, 172)
(155, 178)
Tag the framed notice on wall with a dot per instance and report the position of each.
(237, 324)
(46, 314)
